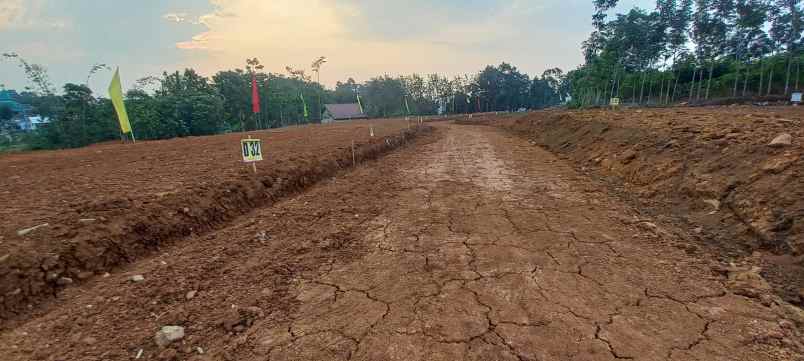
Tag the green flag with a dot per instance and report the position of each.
(116, 95)
(304, 103)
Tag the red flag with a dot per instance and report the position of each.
(255, 95)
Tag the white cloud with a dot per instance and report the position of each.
(175, 17)
(27, 15)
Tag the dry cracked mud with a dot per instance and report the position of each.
(470, 244)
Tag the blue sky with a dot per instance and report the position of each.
(361, 38)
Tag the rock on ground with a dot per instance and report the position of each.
(168, 335)
(782, 140)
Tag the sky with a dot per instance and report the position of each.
(360, 38)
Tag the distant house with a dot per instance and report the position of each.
(340, 112)
(23, 113)
(31, 122)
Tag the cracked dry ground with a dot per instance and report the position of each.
(469, 244)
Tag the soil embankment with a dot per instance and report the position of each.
(95, 208)
(713, 166)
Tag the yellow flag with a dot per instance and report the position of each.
(116, 94)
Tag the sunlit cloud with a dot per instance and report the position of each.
(15, 13)
(360, 38)
(12, 13)
(27, 15)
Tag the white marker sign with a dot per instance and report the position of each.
(252, 150)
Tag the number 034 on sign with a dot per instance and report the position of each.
(252, 150)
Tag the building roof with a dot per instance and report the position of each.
(38, 119)
(345, 111)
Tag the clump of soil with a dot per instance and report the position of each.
(713, 166)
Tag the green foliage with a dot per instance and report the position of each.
(5, 113)
(197, 108)
(79, 119)
(184, 103)
(345, 92)
(384, 97)
(645, 57)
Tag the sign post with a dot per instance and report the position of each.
(354, 160)
(252, 151)
(796, 98)
(615, 103)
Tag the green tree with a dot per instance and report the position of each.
(384, 96)
(198, 108)
(749, 37)
(786, 28)
(235, 88)
(6, 114)
(346, 92)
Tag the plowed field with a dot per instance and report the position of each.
(461, 242)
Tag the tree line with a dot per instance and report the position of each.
(185, 103)
(691, 50)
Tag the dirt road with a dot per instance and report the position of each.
(469, 244)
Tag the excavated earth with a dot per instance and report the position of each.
(711, 168)
(68, 216)
(470, 244)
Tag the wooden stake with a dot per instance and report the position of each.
(354, 161)
(253, 164)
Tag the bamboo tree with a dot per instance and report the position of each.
(745, 80)
(316, 66)
(786, 29)
(736, 76)
(700, 85)
(709, 81)
(761, 76)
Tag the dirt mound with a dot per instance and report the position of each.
(92, 237)
(486, 118)
(713, 166)
(763, 100)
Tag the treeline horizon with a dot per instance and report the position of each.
(690, 50)
(184, 103)
(679, 51)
